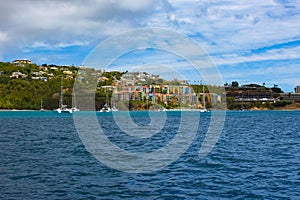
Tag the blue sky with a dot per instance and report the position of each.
(249, 41)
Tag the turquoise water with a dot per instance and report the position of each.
(256, 157)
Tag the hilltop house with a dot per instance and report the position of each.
(21, 62)
(251, 93)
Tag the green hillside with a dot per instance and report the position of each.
(24, 87)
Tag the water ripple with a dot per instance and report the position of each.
(257, 157)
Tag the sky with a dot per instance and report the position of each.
(255, 41)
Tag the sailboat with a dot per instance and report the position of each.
(61, 107)
(114, 108)
(204, 105)
(106, 107)
(42, 109)
(74, 108)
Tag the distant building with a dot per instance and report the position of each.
(21, 62)
(291, 96)
(40, 78)
(37, 73)
(251, 95)
(298, 89)
(54, 68)
(44, 68)
(67, 72)
(18, 75)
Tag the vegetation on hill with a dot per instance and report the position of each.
(27, 93)
(29, 86)
(249, 97)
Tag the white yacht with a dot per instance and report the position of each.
(74, 108)
(202, 110)
(105, 108)
(61, 107)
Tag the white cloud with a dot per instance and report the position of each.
(53, 46)
(274, 54)
(228, 25)
(134, 5)
(238, 25)
(227, 29)
(55, 21)
(3, 37)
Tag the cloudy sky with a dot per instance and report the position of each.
(249, 41)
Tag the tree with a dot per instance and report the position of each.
(235, 84)
(276, 89)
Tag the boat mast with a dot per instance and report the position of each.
(106, 98)
(74, 99)
(106, 101)
(204, 106)
(61, 94)
(41, 103)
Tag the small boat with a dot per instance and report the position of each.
(202, 110)
(161, 110)
(74, 108)
(114, 109)
(62, 108)
(105, 108)
(42, 109)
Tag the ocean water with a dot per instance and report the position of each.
(257, 157)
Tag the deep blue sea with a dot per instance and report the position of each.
(256, 157)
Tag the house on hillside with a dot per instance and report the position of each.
(251, 93)
(18, 75)
(21, 62)
(291, 96)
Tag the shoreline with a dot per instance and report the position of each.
(16, 110)
(170, 110)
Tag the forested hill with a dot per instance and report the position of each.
(26, 86)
